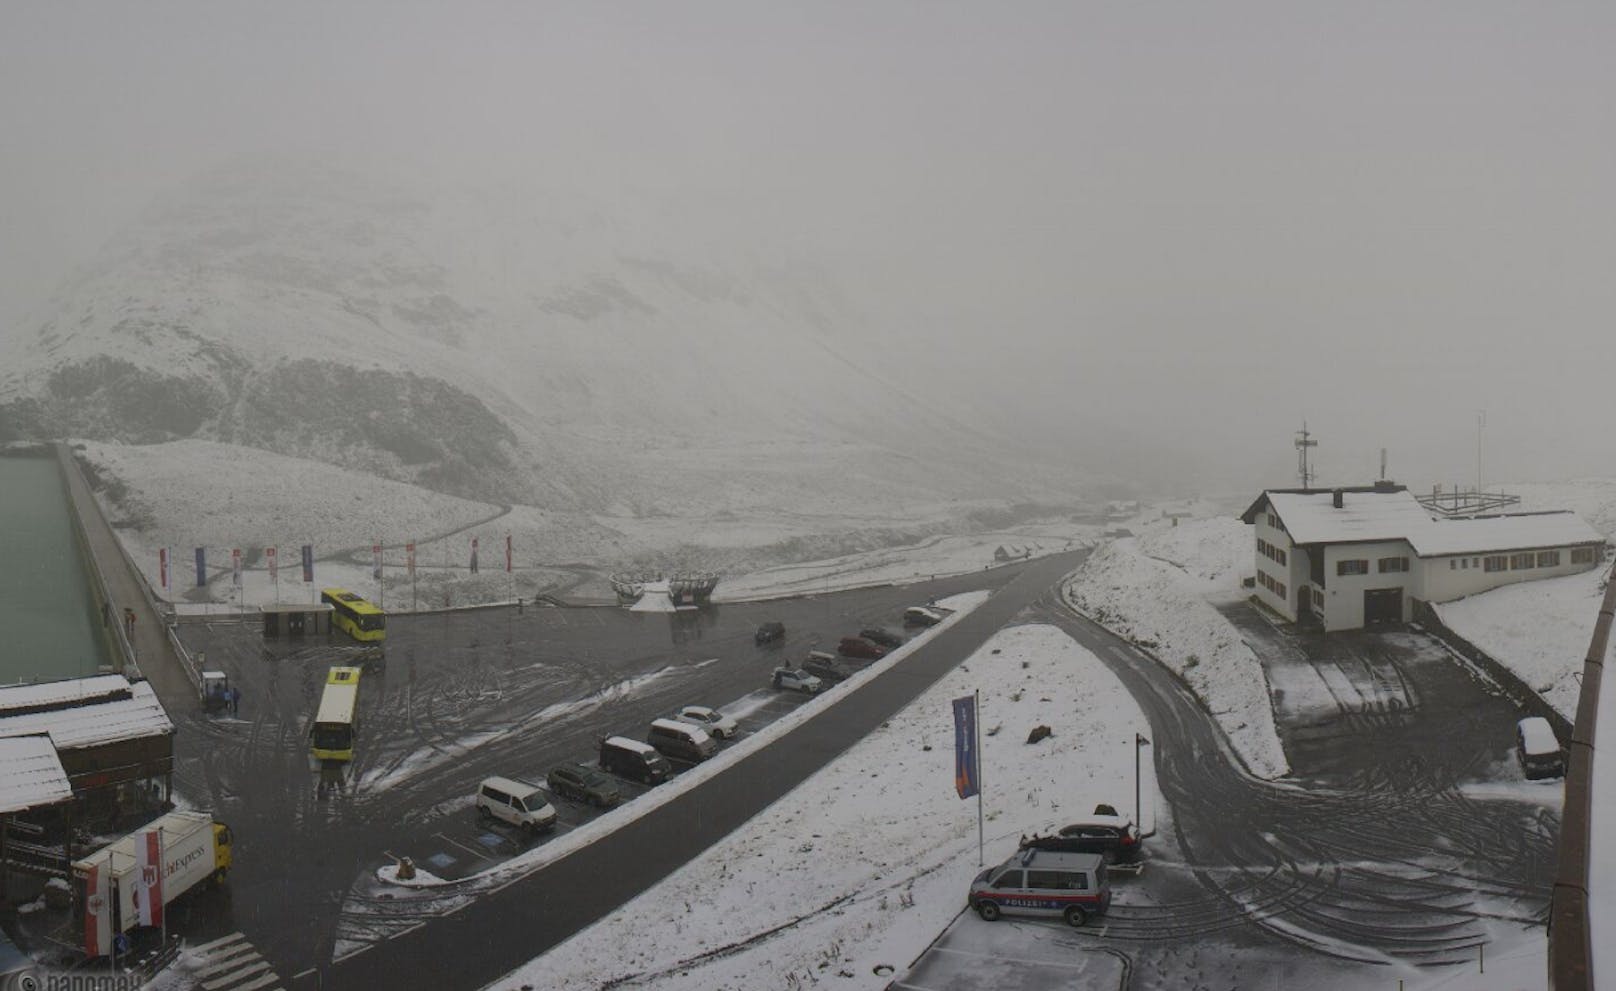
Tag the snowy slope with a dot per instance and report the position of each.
(1157, 589)
(508, 344)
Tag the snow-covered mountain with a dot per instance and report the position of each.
(495, 344)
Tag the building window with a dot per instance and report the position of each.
(1464, 562)
(1280, 590)
(1521, 562)
(1497, 562)
(1387, 564)
(1280, 555)
(1354, 567)
(1548, 559)
(1582, 555)
(1318, 598)
(1475, 562)
(1453, 564)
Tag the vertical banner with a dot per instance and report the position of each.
(507, 552)
(274, 571)
(308, 562)
(375, 560)
(966, 771)
(149, 894)
(201, 568)
(97, 913)
(474, 555)
(235, 566)
(409, 558)
(162, 567)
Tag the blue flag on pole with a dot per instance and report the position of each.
(201, 568)
(966, 771)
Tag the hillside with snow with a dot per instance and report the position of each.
(499, 344)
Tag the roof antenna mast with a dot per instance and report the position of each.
(1303, 442)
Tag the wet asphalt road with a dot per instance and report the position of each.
(462, 696)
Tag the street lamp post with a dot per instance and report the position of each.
(1139, 741)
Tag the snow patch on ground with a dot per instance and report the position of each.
(1540, 630)
(870, 858)
(1156, 589)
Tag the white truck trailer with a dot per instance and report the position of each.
(109, 883)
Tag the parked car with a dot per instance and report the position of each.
(826, 667)
(769, 633)
(516, 803)
(885, 638)
(923, 616)
(714, 722)
(856, 647)
(680, 740)
(796, 680)
(1538, 749)
(1109, 835)
(581, 784)
(634, 760)
(1072, 886)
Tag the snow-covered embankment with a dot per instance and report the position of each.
(1157, 590)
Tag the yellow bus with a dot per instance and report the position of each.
(352, 614)
(337, 721)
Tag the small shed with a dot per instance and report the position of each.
(296, 619)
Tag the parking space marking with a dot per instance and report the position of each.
(471, 850)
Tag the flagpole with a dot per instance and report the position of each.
(161, 895)
(977, 726)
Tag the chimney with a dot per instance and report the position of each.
(1338, 498)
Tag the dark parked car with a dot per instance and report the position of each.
(1110, 835)
(854, 647)
(826, 667)
(578, 782)
(882, 637)
(769, 633)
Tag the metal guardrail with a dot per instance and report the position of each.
(1570, 936)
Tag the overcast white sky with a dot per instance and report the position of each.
(1185, 225)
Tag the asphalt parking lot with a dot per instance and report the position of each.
(458, 697)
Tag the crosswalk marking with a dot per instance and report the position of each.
(231, 963)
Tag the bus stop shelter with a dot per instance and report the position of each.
(296, 619)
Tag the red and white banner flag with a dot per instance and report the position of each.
(149, 886)
(375, 560)
(474, 555)
(507, 552)
(235, 567)
(97, 913)
(409, 558)
(274, 570)
(162, 567)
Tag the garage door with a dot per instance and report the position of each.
(1382, 605)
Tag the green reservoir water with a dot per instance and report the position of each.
(48, 626)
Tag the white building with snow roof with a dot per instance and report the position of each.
(1350, 557)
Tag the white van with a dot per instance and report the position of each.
(517, 803)
(680, 741)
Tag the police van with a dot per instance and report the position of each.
(1070, 886)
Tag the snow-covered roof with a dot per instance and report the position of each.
(1503, 533)
(31, 774)
(1366, 515)
(138, 716)
(1312, 518)
(60, 694)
